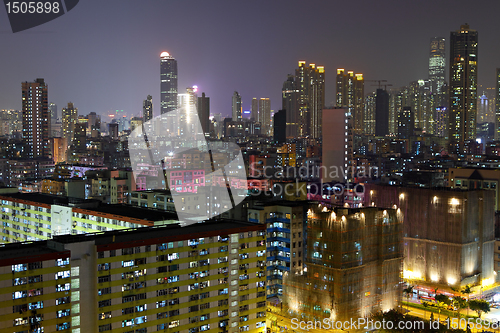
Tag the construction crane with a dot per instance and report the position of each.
(379, 82)
(385, 85)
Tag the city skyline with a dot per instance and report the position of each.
(209, 61)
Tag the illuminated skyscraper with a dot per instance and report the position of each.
(188, 103)
(463, 85)
(147, 108)
(350, 95)
(369, 116)
(311, 86)
(236, 106)
(36, 118)
(265, 115)
(437, 62)
(69, 120)
(304, 99)
(168, 89)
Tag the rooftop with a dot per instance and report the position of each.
(215, 226)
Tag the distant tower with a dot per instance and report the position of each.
(437, 63)
(463, 86)
(310, 82)
(188, 103)
(53, 112)
(69, 120)
(168, 90)
(279, 125)
(36, 118)
(265, 116)
(405, 123)
(289, 104)
(254, 112)
(147, 109)
(236, 107)
(204, 113)
(350, 95)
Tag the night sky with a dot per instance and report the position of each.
(104, 54)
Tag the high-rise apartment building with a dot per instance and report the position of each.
(69, 120)
(310, 82)
(204, 277)
(168, 91)
(36, 126)
(463, 86)
(204, 113)
(369, 116)
(236, 107)
(265, 116)
(286, 240)
(147, 109)
(351, 95)
(304, 98)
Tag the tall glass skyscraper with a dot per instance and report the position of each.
(168, 89)
(463, 85)
(437, 62)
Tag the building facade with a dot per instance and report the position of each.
(205, 277)
(458, 223)
(463, 86)
(168, 89)
(351, 95)
(147, 109)
(265, 116)
(36, 124)
(69, 121)
(353, 264)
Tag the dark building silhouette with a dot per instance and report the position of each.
(381, 113)
(204, 112)
(279, 125)
(405, 123)
(113, 130)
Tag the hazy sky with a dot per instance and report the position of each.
(104, 54)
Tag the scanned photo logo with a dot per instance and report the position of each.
(25, 15)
